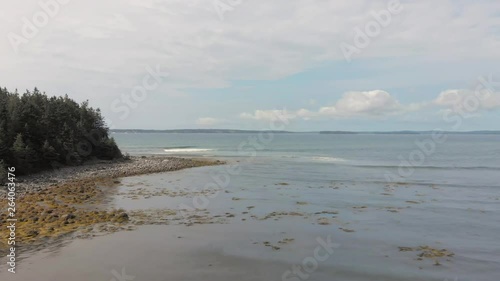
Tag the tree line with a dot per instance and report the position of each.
(38, 132)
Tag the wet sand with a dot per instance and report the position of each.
(207, 252)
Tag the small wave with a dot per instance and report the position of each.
(425, 167)
(186, 150)
(328, 159)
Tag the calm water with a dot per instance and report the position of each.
(462, 160)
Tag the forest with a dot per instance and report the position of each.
(40, 132)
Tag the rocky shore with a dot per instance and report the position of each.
(138, 165)
(55, 203)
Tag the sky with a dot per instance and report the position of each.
(356, 65)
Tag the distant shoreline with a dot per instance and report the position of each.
(230, 131)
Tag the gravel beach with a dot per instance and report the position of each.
(136, 165)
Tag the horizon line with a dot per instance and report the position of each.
(285, 131)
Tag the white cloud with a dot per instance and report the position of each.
(269, 115)
(378, 103)
(369, 103)
(462, 99)
(305, 114)
(354, 104)
(375, 103)
(200, 50)
(208, 121)
(98, 50)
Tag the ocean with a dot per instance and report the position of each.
(459, 160)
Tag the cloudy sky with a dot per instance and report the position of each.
(321, 64)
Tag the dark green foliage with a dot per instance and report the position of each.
(38, 132)
(3, 172)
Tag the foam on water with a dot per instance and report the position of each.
(186, 150)
(328, 159)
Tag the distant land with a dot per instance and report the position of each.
(413, 132)
(229, 131)
(194, 131)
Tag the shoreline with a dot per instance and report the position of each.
(136, 165)
(56, 203)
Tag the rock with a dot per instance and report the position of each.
(68, 217)
(123, 217)
(32, 233)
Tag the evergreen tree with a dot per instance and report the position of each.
(38, 132)
(3, 172)
(18, 148)
(19, 152)
(49, 153)
(4, 146)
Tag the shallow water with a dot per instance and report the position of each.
(451, 202)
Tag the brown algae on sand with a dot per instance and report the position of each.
(327, 213)
(56, 209)
(60, 210)
(323, 221)
(428, 252)
(286, 241)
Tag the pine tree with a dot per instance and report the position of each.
(3, 172)
(31, 158)
(4, 145)
(39, 132)
(18, 148)
(49, 153)
(19, 152)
